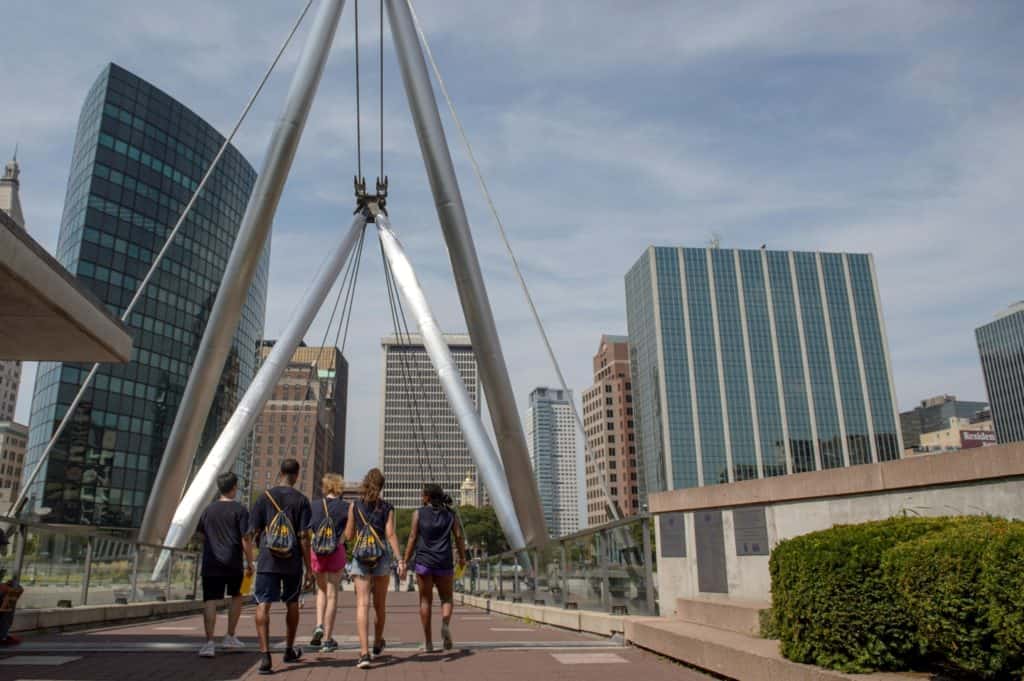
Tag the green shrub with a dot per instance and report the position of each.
(1002, 587)
(832, 606)
(935, 579)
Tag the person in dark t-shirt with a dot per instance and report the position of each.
(225, 529)
(280, 578)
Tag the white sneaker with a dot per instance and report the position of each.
(209, 649)
(231, 642)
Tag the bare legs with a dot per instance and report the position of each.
(445, 587)
(234, 612)
(426, 583)
(263, 626)
(209, 618)
(380, 607)
(363, 613)
(327, 601)
(292, 622)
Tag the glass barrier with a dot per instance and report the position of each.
(583, 573)
(52, 569)
(110, 574)
(184, 575)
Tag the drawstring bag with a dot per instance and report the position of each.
(325, 541)
(279, 537)
(368, 549)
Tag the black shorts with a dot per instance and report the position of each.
(274, 588)
(215, 586)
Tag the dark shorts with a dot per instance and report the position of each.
(274, 588)
(215, 586)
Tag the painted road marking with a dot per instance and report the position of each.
(37, 660)
(589, 658)
(176, 628)
(511, 629)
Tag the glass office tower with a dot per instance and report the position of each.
(1001, 346)
(749, 364)
(137, 159)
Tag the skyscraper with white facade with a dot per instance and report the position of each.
(551, 439)
(755, 363)
(420, 438)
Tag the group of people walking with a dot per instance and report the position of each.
(288, 544)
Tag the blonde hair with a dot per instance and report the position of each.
(332, 483)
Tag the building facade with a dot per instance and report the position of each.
(934, 414)
(10, 369)
(1001, 346)
(13, 439)
(137, 159)
(332, 372)
(610, 459)
(551, 440)
(757, 363)
(296, 423)
(420, 438)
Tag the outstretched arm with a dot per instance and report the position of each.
(460, 540)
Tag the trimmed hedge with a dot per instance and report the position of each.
(903, 593)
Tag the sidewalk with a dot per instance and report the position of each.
(487, 647)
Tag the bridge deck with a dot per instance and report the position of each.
(492, 647)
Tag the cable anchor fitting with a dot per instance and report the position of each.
(372, 204)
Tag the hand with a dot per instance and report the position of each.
(249, 569)
(309, 581)
(403, 569)
(462, 562)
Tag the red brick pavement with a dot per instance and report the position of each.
(487, 647)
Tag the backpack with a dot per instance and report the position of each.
(325, 540)
(368, 548)
(279, 537)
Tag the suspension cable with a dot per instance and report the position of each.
(406, 339)
(380, 16)
(613, 506)
(352, 296)
(23, 495)
(359, 126)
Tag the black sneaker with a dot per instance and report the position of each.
(330, 645)
(378, 648)
(318, 636)
(364, 661)
(293, 655)
(266, 666)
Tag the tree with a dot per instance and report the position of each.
(482, 529)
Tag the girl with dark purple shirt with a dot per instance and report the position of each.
(430, 549)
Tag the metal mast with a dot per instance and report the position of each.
(238, 275)
(451, 212)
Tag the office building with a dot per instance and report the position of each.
(10, 369)
(138, 157)
(296, 423)
(1001, 346)
(551, 440)
(611, 457)
(13, 438)
(757, 363)
(420, 438)
(935, 414)
(332, 372)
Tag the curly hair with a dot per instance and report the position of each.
(373, 485)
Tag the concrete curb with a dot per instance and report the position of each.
(59, 619)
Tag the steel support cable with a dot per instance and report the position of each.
(19, 502)
(359, 126)
(613, 506)
(421, 439)
(352, 296)
(393, 296)
(380, 16)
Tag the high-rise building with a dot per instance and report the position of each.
(756, 363)
(420, 438)
(10, 369)
(1001, 346)
(296, 423)
(611, 459)
(551, 440)
(939, 413)
(13, 438)
(138, 157)
(332, 372)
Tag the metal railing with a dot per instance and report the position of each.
(74, 565)
(610, 568)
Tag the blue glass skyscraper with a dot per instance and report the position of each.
(1001, 346)
(138, 157)
(757, 363)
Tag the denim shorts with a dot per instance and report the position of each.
(273, 588)
(381, 569)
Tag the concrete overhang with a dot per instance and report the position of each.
(47, 314)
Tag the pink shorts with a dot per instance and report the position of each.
(334, 562)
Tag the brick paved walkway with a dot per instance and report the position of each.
(487, 647)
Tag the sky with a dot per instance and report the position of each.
(602, 128)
